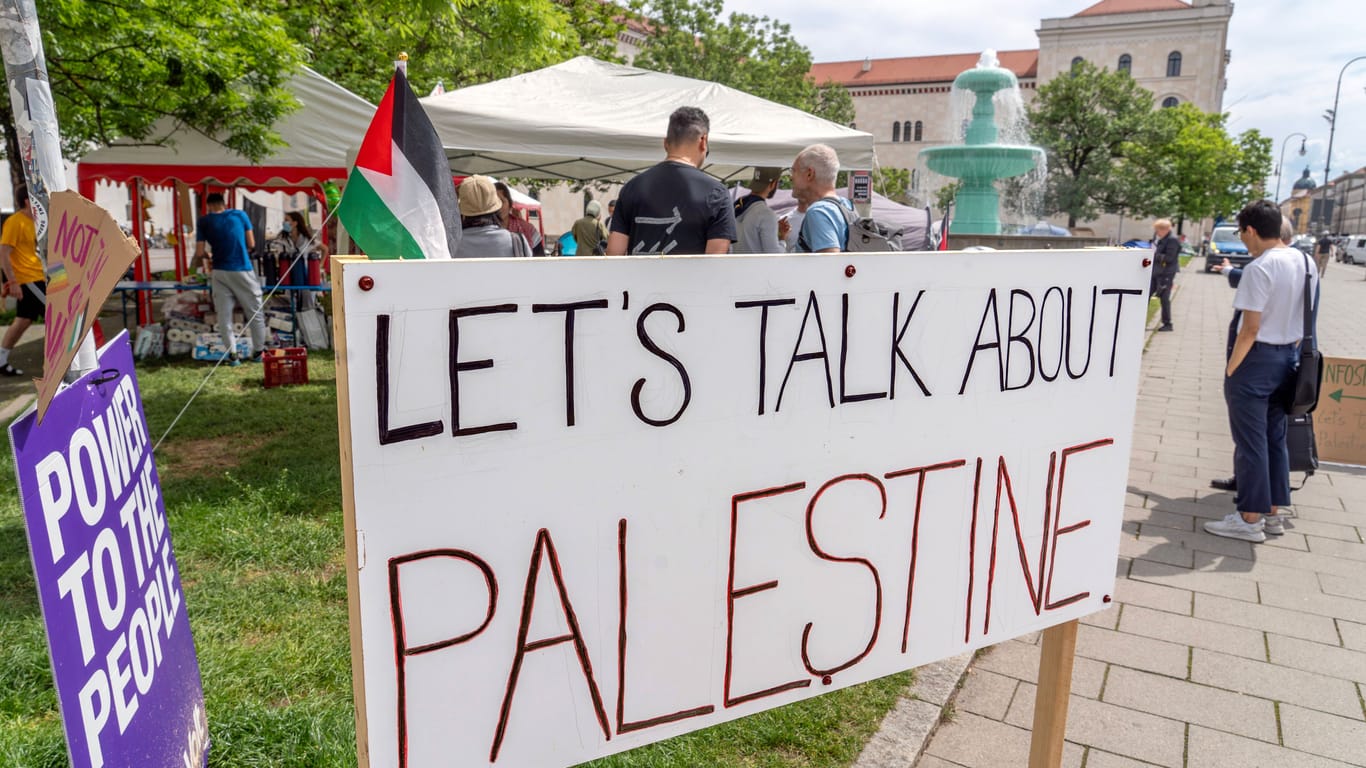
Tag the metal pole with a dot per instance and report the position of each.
(1333, 124)
(35, 118)
(1280, 166)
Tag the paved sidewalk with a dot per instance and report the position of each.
(1218, 652)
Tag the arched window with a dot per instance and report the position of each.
(896, 131)
(1170, 102)
(1174, 64)
(919, 129)
(906, 131)
(1126, 63)
(1076, 61)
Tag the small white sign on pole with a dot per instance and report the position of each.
(861, 186)
(595, 503)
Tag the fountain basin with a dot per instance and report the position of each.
(983, 161)
(985, 79)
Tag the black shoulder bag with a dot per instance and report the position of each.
(1304, 396)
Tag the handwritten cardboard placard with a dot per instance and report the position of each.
(118, 633)
(594, 503)
(87, 254)
(1340, 419)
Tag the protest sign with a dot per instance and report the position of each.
(87, 254)
(1340, 419)
(122, 656)
(594, 503)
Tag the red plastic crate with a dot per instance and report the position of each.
(286, 366)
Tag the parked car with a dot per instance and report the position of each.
(1353, 249)
(1224, 243)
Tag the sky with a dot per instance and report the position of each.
(1286, 57)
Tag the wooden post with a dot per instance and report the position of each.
(1050, 700)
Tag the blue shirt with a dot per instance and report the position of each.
(824, 227)
(226, 235)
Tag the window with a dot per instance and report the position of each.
(919, 128)
(1174, 64)
(1170, 102)
(1126, 63)
(906, 131)
(1078, 60)
(896, 131)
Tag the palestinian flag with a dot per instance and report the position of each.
(399, 201)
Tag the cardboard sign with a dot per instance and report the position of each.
(1340, 419)
(119, 637)
(861, 186)
(87, 254)
(595, 503)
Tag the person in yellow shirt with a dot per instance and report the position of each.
(24, 278)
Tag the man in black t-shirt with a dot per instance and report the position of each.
(675, 208)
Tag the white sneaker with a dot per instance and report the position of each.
(1273, 525)
(1233, 526)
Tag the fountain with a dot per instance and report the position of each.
(983, 158)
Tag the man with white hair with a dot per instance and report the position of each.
(824, 228)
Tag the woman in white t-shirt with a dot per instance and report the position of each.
(1261, 367)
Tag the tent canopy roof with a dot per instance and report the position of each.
(588, 119)
(329, 122)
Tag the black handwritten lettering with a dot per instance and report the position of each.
(813, 307)
(979, 346)
(844, 358)
(1119, 294)
(456, 367)
(1020, 337)
(763, 339)
(569, 311)
(396, 434)
(897, 353)
(648, 343)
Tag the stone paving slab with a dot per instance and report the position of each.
(1219, 653)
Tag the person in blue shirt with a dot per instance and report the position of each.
(226, 232)
(824, 228)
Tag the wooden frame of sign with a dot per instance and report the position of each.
(1088, 566)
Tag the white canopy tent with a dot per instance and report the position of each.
(588, 119)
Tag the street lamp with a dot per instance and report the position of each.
(1281, 164)
(1333, 121)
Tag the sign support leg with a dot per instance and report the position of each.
(1050, 701)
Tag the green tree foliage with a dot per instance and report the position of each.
(118, 66)
(892, 183)
(754, 54)
(1195, 168)
(460, 43)
(1089, 121)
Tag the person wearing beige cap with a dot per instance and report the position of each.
(756, 224)
(482, 237)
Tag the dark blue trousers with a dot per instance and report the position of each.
(1255, 395)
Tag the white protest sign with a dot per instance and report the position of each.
(594, 503)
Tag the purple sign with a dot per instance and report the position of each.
(122, 655)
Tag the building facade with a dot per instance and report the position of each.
(1175, 49)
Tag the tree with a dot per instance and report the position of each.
(754, 54)
(1088, 121)
(460, 43)
(1199, 170)
(118, 66)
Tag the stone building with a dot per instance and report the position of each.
(1299, 206)
(1175, 49)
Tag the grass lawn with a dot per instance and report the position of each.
(252, 491)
